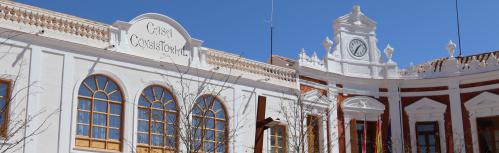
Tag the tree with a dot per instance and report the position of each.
(302, 115)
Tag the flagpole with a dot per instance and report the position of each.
(458, 29)
(379, 138)
(364, 146)
(271, 31)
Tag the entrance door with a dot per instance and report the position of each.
(428, 137)
(488, 134)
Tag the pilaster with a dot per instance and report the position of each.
(456, 116)
(348, 142)
(333, 119)
(394, 102)
(66, 104)
(32, 109)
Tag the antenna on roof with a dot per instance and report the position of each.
(458, 30)
(271, 30)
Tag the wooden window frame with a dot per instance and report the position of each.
(4, 128)
(480, 130)
(150, 147)
(203, 125)
(317, 137)
(274, 135)
(435, 132)
(107, 141)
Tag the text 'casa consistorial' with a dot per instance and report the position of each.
(158, 36)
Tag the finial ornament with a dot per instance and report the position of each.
(356, 10)
(389, 52)
(315, 58)
(303, 55)
(327, 44)
(450, 48)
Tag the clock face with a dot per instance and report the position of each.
(357, 47)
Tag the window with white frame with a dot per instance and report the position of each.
(423, 111)
(482, 106)
(359, 108)
(427, 136)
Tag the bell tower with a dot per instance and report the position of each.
(356, 52)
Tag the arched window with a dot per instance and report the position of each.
(209, 124)
(157, 121)
(100, 114)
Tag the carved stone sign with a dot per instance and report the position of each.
(158, 40)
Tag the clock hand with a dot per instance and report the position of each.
(356, 50)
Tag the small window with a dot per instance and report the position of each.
(100, 111)
(427, 137)
(278, 139)
(4, 106)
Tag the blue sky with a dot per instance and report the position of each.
(418, 30)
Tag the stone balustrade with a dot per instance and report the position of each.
(235, 62)
(454, 66)
(45, 19)
(311, 61)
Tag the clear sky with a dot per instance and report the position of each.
(418, 29)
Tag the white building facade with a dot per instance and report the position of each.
(69, 84)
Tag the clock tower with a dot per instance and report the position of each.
(356, 52)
